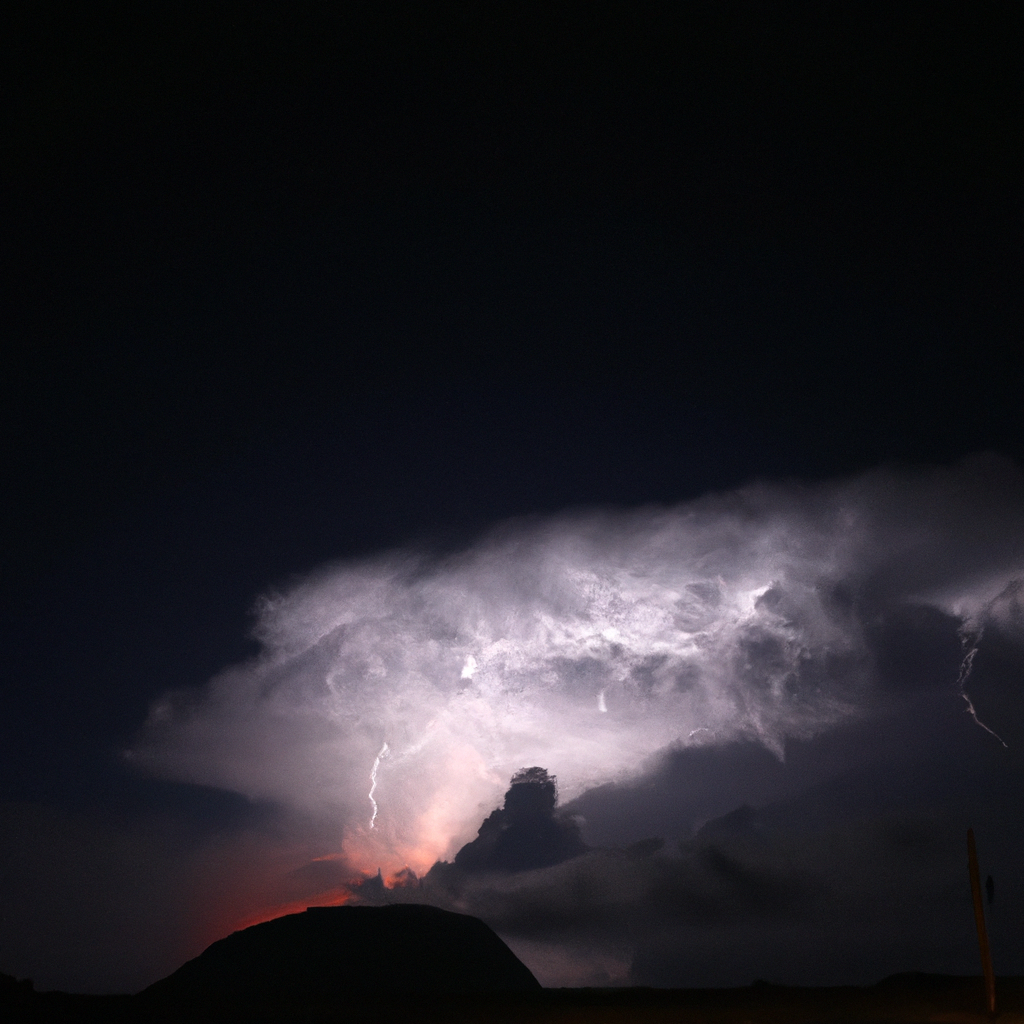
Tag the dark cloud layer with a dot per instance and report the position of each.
(524, 832)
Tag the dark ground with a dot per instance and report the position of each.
(907, 998)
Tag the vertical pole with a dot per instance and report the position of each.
(979, 921)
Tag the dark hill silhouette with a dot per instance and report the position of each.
(524, 833)
(329, 954)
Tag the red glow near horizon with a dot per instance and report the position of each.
(339, 897)
(336, 899)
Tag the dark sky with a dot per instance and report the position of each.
(285, 290)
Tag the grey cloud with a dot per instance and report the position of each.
(524, 832)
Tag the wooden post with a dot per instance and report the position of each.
(979, 921)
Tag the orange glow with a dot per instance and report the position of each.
(392, 860)
(234, 908)
(401, 879)
(338, 898)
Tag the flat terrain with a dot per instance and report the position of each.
(907, 999)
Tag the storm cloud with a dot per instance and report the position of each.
(772, 714)
(593, 642)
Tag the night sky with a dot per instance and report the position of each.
(407, 396)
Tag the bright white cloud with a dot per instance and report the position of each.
(583, 643)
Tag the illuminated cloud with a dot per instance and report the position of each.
(406, 689)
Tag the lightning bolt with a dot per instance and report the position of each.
(383, 752)
(970, 639)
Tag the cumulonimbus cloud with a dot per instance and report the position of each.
(584, 642)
